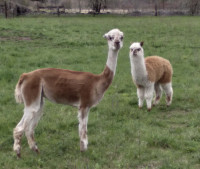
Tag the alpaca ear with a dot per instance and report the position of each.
(106, 36)
(141, 43)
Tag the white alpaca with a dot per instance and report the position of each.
(149, 74)
(80, 89)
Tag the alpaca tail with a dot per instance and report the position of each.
(18, 91)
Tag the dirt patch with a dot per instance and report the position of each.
(3, 39)
(24, 38)
(150, 165)
(15, 39)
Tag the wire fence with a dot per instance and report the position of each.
(130, 7)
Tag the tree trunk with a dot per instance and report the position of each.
(163, 4)
(58, 11)
(6, 9)
(99, 8)
(38, 7)
(156, 10)
(79, 5)
(193, 6)
(96, 5)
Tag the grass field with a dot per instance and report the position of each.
(120, 135)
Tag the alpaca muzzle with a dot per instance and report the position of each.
(135, 52)
(117, 44)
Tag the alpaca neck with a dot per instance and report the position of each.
(138, 67)
(112, 60)
(109, 71)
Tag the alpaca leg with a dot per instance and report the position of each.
(20, 128)
(140, 94)
(149, 96)
(158, 92)
(17, 135)
(36, 114)
(28, 122)
(83, 120)
(168, 92)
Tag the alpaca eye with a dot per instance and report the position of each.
(138, 49)
(122, 38)
(111, 38)
(131, 50)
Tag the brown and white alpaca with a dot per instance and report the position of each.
(149, 74)
(80, 89)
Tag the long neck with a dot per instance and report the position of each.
(109, 71)
(138, 67)
(112, 60)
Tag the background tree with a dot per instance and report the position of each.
(96, 5)
(194, 6)
(79, 5)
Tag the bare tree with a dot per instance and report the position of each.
(6, 9)
(39, 1)
(194, 6)
(66, 4)
(163, 4)
(156, 7)
(97, 5)
(79, 5)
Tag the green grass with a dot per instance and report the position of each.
(120, 135)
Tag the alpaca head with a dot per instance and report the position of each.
(115, 39)
(136, 50)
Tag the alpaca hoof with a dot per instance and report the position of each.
(35, 149)
(17, 150)
(140, 107)
(18, 154)
(168, 104)
(149, 109)
(83, 147)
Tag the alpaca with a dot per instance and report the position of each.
(80, 89)
(149, 74)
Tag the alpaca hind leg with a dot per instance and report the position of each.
(21, 128)
(17, 135)
(36, 113)
(149, 96)
(140, 94)
(83, 120)
(167, 87)
(158, 93)
(27, 123)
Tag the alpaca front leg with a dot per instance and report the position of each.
(149, 96)
(140, 94)
(83, 120)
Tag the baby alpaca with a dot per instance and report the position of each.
(149, 74)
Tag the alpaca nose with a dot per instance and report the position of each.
(117, 42)
(135, 52)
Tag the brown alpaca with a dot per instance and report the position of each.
(80, 89)
(150, 74)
